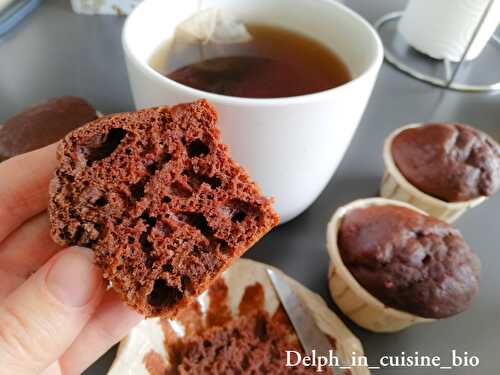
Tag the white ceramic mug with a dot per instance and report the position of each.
(291, 146)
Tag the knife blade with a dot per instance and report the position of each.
(308, 332)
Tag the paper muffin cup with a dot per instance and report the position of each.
(396, 186)
(149, 337)
(352, 298)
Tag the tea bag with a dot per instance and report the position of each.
(208, 33)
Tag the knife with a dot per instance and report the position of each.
(309, 334)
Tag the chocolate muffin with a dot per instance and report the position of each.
(43, 124)
(409, 261)
(452, 162)
(157, 197)
(250, 344)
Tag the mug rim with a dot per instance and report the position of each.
(374, 65)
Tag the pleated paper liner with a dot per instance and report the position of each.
(396, 186)
(149, 336)
(354, 300)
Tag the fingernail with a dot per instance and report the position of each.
(73, 278)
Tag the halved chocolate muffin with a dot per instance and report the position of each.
(237, 326)
(157, 197)
(255, 343)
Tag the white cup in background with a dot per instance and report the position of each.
(291, 146)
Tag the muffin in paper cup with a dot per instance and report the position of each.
(353, 299)
(396, 186)
(146, 349)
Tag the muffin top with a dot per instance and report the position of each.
(409, 261)
(43, 124)
(452, 162)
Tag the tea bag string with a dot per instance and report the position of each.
(201, 48)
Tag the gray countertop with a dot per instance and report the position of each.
(55, 52)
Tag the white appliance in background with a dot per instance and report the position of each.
(443, 29)
(117, 7)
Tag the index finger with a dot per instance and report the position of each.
(24, 187)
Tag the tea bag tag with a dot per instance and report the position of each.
(207, 33)
(229, 31)
(197, 28)
(213, 25)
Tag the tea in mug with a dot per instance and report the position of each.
(276, 63)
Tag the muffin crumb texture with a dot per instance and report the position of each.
(409, 261)
(452, 162)
(155, 194)
(250, 344)
(221, 341)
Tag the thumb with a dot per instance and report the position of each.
(40, 319)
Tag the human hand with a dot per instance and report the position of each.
(56, 316)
